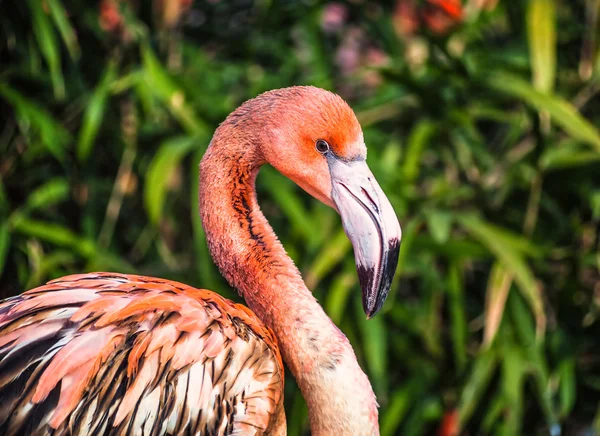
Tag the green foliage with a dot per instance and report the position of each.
(482, 133)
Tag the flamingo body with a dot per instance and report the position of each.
(114, 354)
(117, 354)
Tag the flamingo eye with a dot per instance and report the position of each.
(322, 146)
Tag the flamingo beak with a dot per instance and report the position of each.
(371, 225)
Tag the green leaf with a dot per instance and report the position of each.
(47, 264)
(561, 111)
(54, 234)
(498, 287)
(374, 341)
(402, 400)
(456, 297)
(52, 134)
(103, 261)
(166, 160)
(46, 39)
(595, 204)
(50, 193)
(476, 385)
(297, 416)
(534, 353)
(94, 113)
(508, 252)
(284, 193)
(335, 250)
(59, 15)
(336, 301)
(493, 414)
(567, 387)
(439, 224)
(541, 32)
(513, 367)
(165, 88)
(417, 141)
(563, 157)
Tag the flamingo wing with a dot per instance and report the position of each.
(130, 355)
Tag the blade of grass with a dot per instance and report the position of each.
(493, 414)
(402, 400)
(513, 374)
(499, 284)
(165, 88)
(456, 291)
(52, 192)
(167, 158)
(94, 113)
(480, 376)
(297, 417)
(336, 301)
(562, 112)
(541, 32)
(374, 342)
(439, 224)
(104, 261)
(59, 15)
(508, 253)
(417, 141)
(284, 193)
(46, 39)
(52, 134)
(54, 234)
(336, 249)
(568, 386)
(47, 264)
(567, 157)
(526, 334)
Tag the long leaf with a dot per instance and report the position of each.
(374, 340)
(513, 371)
(59, 15)
(418, 140)
(284, 193)
(456, 297)
(167, 158)
(562, 112)
(52, 134)
(94, 113)
(54, 234)
(165, 88)
(50, 193)
(46, 39)
(499, 284)
(510, 257)
(480, 376)
(541, 32)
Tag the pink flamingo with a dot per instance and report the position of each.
(108, 353)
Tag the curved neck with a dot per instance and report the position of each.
(249, 255)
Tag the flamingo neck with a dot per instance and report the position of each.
(245, 248)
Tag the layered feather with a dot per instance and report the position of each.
(113, 354)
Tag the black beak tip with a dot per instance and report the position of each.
(372, 312)
(375, 289)
(373, 306)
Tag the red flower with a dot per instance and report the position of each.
(439, 16)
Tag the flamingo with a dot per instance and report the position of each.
(117, 354)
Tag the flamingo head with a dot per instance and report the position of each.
(314, 138)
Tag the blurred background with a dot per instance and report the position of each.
(480, 117)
